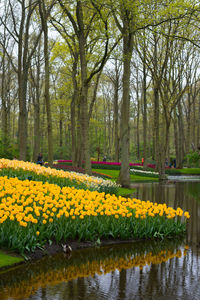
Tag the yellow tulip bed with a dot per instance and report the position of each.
(23, 170)
(33, 213)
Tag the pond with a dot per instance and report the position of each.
(161, 269)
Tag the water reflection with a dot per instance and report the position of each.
(164, 269)
(179, 194)
(109, 262)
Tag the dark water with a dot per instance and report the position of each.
(164, 269)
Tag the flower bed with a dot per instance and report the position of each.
(65, 167)
(33, 213)
(106, 165)
(24, 170)
(144, 173)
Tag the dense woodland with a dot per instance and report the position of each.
(88, 78)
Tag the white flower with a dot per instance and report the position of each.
(144, 172)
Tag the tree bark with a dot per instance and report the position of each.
(84, 90)
(116, 114)
(124, 176)
(43, 15)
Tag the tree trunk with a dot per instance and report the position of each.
(61, 132)
(116, 116)
(188, 141)
(43, 14)
(145, 114)
(36, 143)
(84, 91)
(124, 176)
(73, 110)
(180, 156)
(22, 128)
(79, 152)
(36, 107)
(198, 125)
(4, 121)
(138, 120)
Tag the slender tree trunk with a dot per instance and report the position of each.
(138, 119)
(145, 115)
(79, 148)
(198, 125)
(43, 14)
(156, 120)
(180, 156)
(73, 110)
(61, 131)
(4, 121)
(22, 128)
(116, 117)
(105, 128)
(176, 139)
(194, 122)
(36, 142)
(188, 141)
(36, 107)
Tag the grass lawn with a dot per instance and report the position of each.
(115, 174)
(7, 260)
(186, 171)
(134, 178)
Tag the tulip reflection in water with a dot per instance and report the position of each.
(85, 263)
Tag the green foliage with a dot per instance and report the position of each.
(193, 158)
(90, 229)
(7, 149)
(106, 167)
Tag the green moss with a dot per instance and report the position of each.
(7, 260)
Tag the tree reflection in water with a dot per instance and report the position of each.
(146, 270)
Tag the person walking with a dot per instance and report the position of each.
(40, 159)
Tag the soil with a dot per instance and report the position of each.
(70, 246)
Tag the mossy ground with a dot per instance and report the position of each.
(7, 259)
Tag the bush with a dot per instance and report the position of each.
(193, 158)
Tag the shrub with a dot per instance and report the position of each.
(193, 158)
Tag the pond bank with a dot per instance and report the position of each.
(70, 246)
(12, 259)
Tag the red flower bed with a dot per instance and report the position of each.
(109, 163)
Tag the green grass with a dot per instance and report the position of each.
(134, 178)
(113, 173)
(188, 171)
(8, 260)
